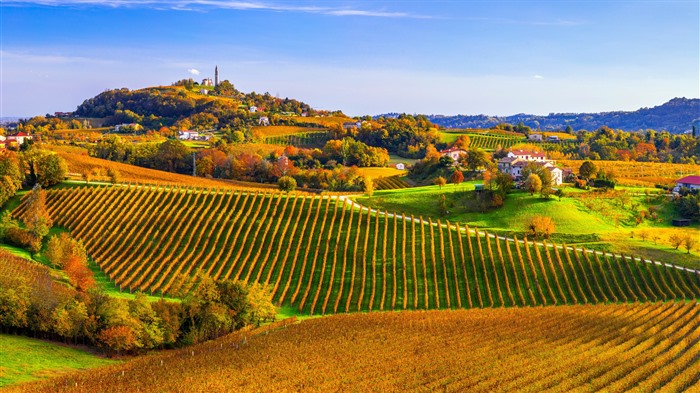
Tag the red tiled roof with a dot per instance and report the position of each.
(694, 180)
(528, 153)
(450, 150)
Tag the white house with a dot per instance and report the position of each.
(552, 138)
(263, 121)
(253, 109)
(453, 153)
(18, 138)
(204, 91)
(690, 182)
(514, 163)
(400, 166)
(352, 124)
(535, 137)
(207, 82)
(188, 135)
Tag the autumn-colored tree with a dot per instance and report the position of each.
(540, 227)
(36, 217)
(457, 177)
(286, 184)
(261, 307)
(676, 240)
(462, 142)
(587, 170)
(369, 186)
(440, 181)
(78, 273)
(689, 242)
(533, 183)
(118, 339)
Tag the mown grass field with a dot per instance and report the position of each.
(575, 221)
(323, 256)
(631, 347)
(27, 359)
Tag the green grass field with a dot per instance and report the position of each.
(24, 359)
(575, 223)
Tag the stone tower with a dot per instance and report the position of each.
(216, 76)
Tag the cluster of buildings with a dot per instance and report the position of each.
(14, 140)
(516, 160)
(188, 135)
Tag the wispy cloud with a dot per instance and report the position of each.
(193, 71)
(538, 77)
(200, 5)
(49, 58)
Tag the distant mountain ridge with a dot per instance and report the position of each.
(675, 116)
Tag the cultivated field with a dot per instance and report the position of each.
(631, 347)
(640, 173)
(321, 255)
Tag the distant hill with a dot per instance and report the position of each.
(674, 116)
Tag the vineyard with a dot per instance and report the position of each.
(79, 162)
(643, 173)
(390, 183)
(305, 139)
(492, 142)
(322, 255)
(617, 348)
(269, 131)
(16, 271)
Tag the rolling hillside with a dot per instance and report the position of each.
(321, 255)
(630, 347)
(674, 116)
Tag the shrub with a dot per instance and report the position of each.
(287, 183)
(540, 227)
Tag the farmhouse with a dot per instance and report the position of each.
(351, 125)
(535, 137)
(400, 166)
(453, 153)
(18, 138)
(514, 163)
(188, 135)
(690, 182)
(263, 121)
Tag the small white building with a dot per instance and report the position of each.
(207, 82)
(17, 138)
(552, 138)
(253, 109)
(453, 153)
(535, 137)
(204, 91)
(263, 121)
(188, 135)
(689, 182)
(400, 166)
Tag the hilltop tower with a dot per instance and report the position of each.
(216, 76)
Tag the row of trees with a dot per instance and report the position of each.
(45, 309)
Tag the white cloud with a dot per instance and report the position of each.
(538, 77)
(199, 5)
(193, 71)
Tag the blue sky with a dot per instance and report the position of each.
(362, 57)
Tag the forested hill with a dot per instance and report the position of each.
(153, 107)
(674, 116)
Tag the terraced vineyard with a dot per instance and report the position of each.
(322, 255)
(390, 183)
(615, 348)
(491, 142)
(304, 139)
